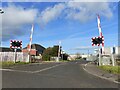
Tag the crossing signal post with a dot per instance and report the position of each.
(15, 45)
(96, 41)
(99, 40)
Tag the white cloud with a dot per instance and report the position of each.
(14, 19)
(84, 11)
(51, 13)
(80, 11)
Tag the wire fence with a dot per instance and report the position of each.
(12, 56)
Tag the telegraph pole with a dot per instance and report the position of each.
(88, 54)
(112, 55)
(99, 55)
(15, 49)
(62, 54)
(59, 51)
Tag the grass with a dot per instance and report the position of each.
(64, 60)
(11, 63)
(111, 69)
(21, 63)
(6, 64)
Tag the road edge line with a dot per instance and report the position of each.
(98, 75)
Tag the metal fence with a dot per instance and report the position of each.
(10, 56)
(106, 60)
(91, 58)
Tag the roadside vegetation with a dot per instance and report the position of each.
(64, 60)
(51, 53)
(11, 63)
(111, 69)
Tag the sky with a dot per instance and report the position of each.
(72, 23)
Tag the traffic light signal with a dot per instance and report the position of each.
(97, 41)
(16, 44)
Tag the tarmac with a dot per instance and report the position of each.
(93, 69)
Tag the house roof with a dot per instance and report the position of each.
(6, 49)
(39, 49)
(35, 46)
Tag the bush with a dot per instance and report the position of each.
(46, 57)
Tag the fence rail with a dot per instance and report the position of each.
(10, 56)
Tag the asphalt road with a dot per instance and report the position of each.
(53, 75)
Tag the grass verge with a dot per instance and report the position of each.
(64, 60)
(10, 63)
(111, 69)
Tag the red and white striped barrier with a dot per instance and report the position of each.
(100, 32)
(29, 47)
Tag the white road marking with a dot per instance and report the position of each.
(46, 68)
(27, 65)
(11, 70)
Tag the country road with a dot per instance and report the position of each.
(53, 75)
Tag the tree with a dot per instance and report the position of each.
(50, 52)
(64, 56)
(55, 51)
(47, 54)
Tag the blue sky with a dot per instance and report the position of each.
(74, 24)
